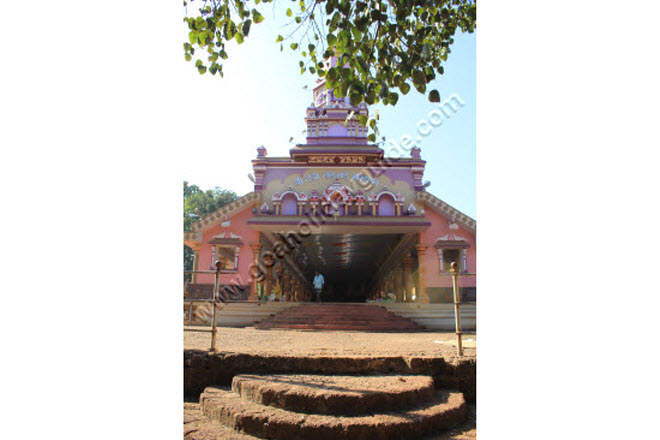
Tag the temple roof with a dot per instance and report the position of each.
(448, 211)
(222, 214)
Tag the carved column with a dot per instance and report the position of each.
(408, 264)
(465, 266)
(195, 264)
(211, 267)
(254, 272)
(268, 261)
(421, 282)
(441, 259)
(399, 285)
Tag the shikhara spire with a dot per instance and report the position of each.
(333, 120)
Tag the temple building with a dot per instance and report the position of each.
(335, 205)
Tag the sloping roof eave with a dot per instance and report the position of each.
(445, 209)
(227, 211)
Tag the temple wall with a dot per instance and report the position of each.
(248, 235)
(440, 227)
(306, 179)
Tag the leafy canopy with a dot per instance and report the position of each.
(197, 204)
(384, 45)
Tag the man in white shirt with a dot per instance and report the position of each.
(318, 285)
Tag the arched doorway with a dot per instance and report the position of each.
(289, 204)
(385, 205)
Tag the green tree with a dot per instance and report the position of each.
(197, 204)
(384, 46)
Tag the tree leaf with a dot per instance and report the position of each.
(246, 27)
(384, 45)
(256, 16)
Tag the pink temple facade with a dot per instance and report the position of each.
(337, 206)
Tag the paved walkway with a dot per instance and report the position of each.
(332, 343)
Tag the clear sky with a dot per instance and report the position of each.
(261, 101)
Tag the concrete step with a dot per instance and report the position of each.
(339, 395)
(363, 317)
(361, 322)
(444, 410)
(331, 327)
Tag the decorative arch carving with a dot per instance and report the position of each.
(381, 207)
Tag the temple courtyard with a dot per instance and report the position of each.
(332, 343)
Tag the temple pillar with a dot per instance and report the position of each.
(195, 264)
(399, 285)
(465, 266)
(268, 262)
(256, 247)
(285, 286)
(421, 282)
(408, 264)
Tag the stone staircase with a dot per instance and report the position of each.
(337, 316)
(303, 406)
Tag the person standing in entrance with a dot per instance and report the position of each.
(318, 285)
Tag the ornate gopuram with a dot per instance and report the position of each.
(337, 206)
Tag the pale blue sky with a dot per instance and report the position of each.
(261, 101)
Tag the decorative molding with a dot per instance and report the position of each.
(448, 211)
(451, 241)
(451, 237)
(227, 235)
(301, 197)
(223, 214)
(336, 159)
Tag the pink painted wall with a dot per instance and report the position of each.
(440, 227)
(248, 235)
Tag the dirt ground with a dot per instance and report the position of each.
(332, 343)
(195, 427)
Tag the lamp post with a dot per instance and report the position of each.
(457, 304)
(216, 286)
